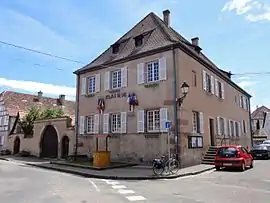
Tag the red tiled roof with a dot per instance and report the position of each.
(259, 112)
(19, 102)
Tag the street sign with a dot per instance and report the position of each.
(168, 124)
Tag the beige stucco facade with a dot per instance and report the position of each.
(32, 145)
(145, 145)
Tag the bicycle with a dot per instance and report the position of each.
(165, 163)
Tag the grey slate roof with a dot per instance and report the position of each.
(156, 35)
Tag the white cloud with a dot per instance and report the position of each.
(34, 87)
(253, 10)
(241, 6)
(260, 17)
(245, 83)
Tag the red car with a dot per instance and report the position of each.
(233, 156)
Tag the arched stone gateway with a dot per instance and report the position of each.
(49, 143)
(65, 147)
(16, 145)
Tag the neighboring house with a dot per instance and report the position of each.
(260, 124)
(258, 118)
(12, 103)
(152, 61)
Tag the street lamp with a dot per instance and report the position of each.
(184, 90)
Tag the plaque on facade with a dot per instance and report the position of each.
(116, 95)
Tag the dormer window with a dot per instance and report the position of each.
(138, 40)
(115, 48)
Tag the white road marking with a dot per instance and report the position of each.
(126, 191)
(113, 183)
(135, 198)
(123, 191)
(94, 185)
(118, 187)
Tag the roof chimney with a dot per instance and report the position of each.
(62, 98)
(40, 95)
(195, 41)
(166, 17)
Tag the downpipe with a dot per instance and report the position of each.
(76, 117)
(175, 108)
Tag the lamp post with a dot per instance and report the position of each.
(184, 91)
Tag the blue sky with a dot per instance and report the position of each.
(234, 34)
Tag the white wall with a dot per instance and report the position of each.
(4, 121)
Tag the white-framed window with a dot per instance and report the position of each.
(116, 79)
(115, 122)
(232, 128)
(152, 71)
(90, 124)
(220, 125)
(219, 86)
(208, 83)
(196, 122)
(237, 128)
(91, 84)
(244, 126)
(153, 120)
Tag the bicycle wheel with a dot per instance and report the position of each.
(174, 166)
(158, 168)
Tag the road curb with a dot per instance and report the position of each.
(121, 165)
(4, 159)
(120, 177)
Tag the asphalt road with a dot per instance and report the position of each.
(23, 184)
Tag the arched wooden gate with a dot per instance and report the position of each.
(49, 143)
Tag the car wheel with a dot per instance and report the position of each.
(251, 165)
(218, 168)
(243, 167)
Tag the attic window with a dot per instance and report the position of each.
(138, 40)
(115, 48)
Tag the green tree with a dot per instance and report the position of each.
(51, 112)
(35, 113)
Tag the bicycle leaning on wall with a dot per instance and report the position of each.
(166, 164)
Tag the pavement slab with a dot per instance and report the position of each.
(127, 173)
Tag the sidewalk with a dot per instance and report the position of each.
(128, 173)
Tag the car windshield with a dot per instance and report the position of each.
(260, 147)
(227, 152)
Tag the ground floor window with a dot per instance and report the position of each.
(90, 124)
(115, 122)
(153, 120)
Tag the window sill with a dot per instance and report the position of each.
(220, 99)
(151, 85)
(152, 135)
(197, 134)
(90, 95)
(208, 93)
(90, 133)
(116, 90)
